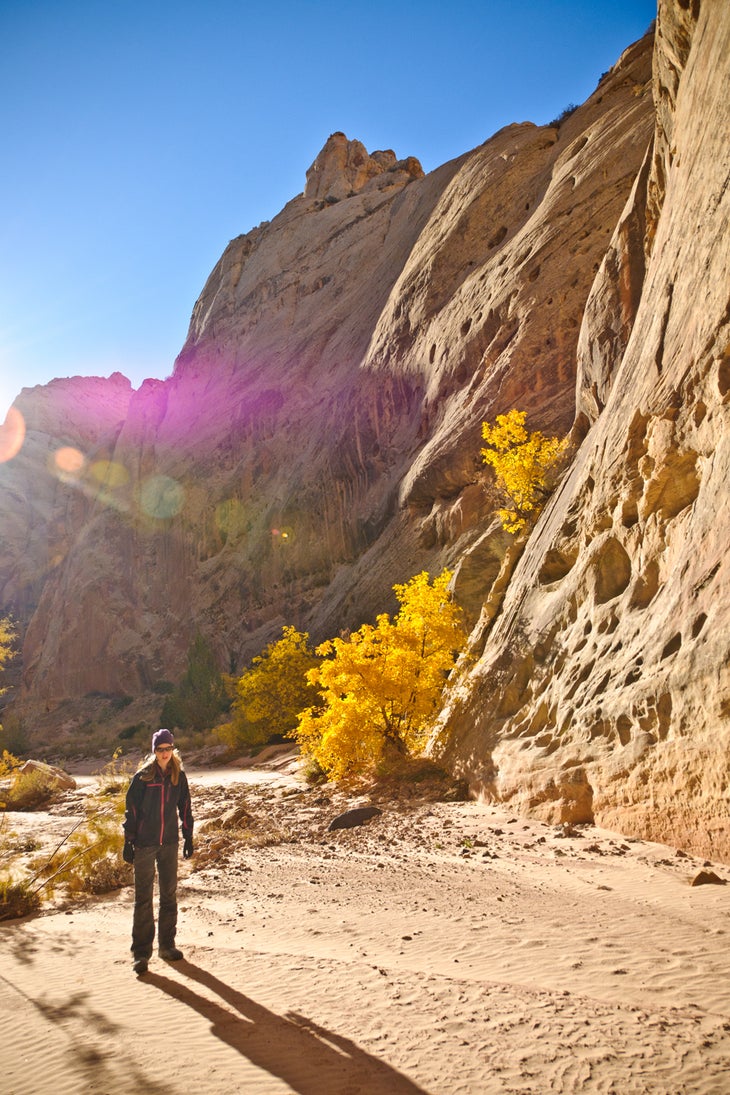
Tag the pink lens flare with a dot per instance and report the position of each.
(12, 435)
(68, 460)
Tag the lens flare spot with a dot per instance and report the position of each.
(12, 435)
(68, 460)
(230, 518)
(282, 535)
(110, 474)
(161, 496)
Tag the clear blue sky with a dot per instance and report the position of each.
(140, 136)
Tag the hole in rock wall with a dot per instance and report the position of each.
(633, 675)
(599, 728)
(723, 374)
(659, 355)
(600, 688)
(672, 646)
(608, 625)
(612, 571)
(698, 624)
(707, 578)
(581, 677)
(646, 586)
(663, 715)
(577, 147)
(623, 729)
(629, 513)
(498, 236)
(556, 565)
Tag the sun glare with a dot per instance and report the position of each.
(12, 435)
(110, 474)
(161, 496)
(68, 460)
(230, 517)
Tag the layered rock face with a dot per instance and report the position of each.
(602, 690)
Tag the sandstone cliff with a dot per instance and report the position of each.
(602, 689)
(319, 440)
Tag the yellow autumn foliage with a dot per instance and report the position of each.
(381, 686)
(269, 696)
(525, 465)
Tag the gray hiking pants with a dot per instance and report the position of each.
(143, 926)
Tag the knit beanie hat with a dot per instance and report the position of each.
(162, 737)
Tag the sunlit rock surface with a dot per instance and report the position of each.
(319, 438)
(602, 690)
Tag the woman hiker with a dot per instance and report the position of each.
(157, 794)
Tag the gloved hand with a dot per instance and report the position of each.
(128, 852)
(187, 847)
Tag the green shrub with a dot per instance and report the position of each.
(201, 696)
(570, 109)
(163, 688)
(130, 732)
(13, 736)
(120, 702)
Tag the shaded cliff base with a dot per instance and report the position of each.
(442, 948)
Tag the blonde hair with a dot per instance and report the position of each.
(146, 767)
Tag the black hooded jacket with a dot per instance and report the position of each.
(153, 806)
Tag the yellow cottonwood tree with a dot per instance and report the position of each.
(525, 465)
(271, 694)
(381, 686)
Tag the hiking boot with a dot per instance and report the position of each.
(170, 954)
(140, 966)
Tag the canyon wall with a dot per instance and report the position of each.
(601, 691)
(319, 440)
(319, 437)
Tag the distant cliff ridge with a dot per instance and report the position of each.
(319, 440)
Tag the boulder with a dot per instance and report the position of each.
(54, 777)
(352, 818)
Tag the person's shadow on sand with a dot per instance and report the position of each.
(310, 1059)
